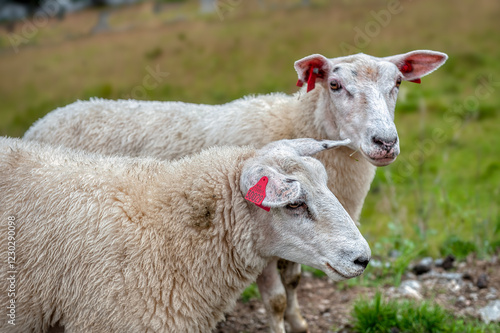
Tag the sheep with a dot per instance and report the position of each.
(120, 244)
(348, 97)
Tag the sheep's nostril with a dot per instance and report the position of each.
(384, 143)
(361, 261)
(377, 141)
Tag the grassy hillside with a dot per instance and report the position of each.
(444, 188)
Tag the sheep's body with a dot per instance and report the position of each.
(120, 250)
(354, 98)
(169, 130)
(121, 244)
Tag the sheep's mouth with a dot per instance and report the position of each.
(379, 159)
(338, 273)
(382, 161)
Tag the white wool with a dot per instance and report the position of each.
(121, 244)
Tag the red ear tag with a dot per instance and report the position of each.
(406, 68)
(311, 81)
(257, 193)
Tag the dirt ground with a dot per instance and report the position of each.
(326, 308)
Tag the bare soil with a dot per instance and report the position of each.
(327, 308)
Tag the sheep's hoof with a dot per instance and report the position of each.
(296, 324)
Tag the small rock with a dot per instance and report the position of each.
(492, 294)
(420, 269)
(427, 261)
(462, 301)
(411, 288)
(423, 266)
(261, 311)
(438, 262)
(491, 312)
(414, 284)
(467, 276)
(448, 262)
(447, 276)
(452, 276)
(454, 286)
(482, 281)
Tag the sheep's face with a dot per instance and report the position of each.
(360, 93)
(363, 98)
(306, 223)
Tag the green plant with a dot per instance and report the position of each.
(457, 247)
(379, 316)
(251, 292)
(374, 316)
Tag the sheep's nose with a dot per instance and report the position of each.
(385, 143)
(362, 261)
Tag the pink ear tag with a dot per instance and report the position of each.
(311, 81)
(406, 68)
(257, 193)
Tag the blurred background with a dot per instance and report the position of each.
(441, 195)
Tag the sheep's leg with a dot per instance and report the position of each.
(274, 297)
(290, 276)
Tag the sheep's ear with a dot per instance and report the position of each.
(413, 65)
(312, 68)
(266, 187)
(300, 147)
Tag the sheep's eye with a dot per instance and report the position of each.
(296, 205)
(335, 85)
(398, 82)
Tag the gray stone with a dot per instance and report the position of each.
(446, 276)
(482, 281)
(447, 263)
(491, 312)
(423, 266)
(492, 294)
(411, 288)
(427, 261)
(414, 284)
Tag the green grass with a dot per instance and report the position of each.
(251, 292)
(379, 316)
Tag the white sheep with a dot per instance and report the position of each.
(350, 97)
(120, 244)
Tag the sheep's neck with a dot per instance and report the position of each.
(349, 174)
(212, 258)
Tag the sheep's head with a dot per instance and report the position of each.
(306, 223)
(360, 93)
